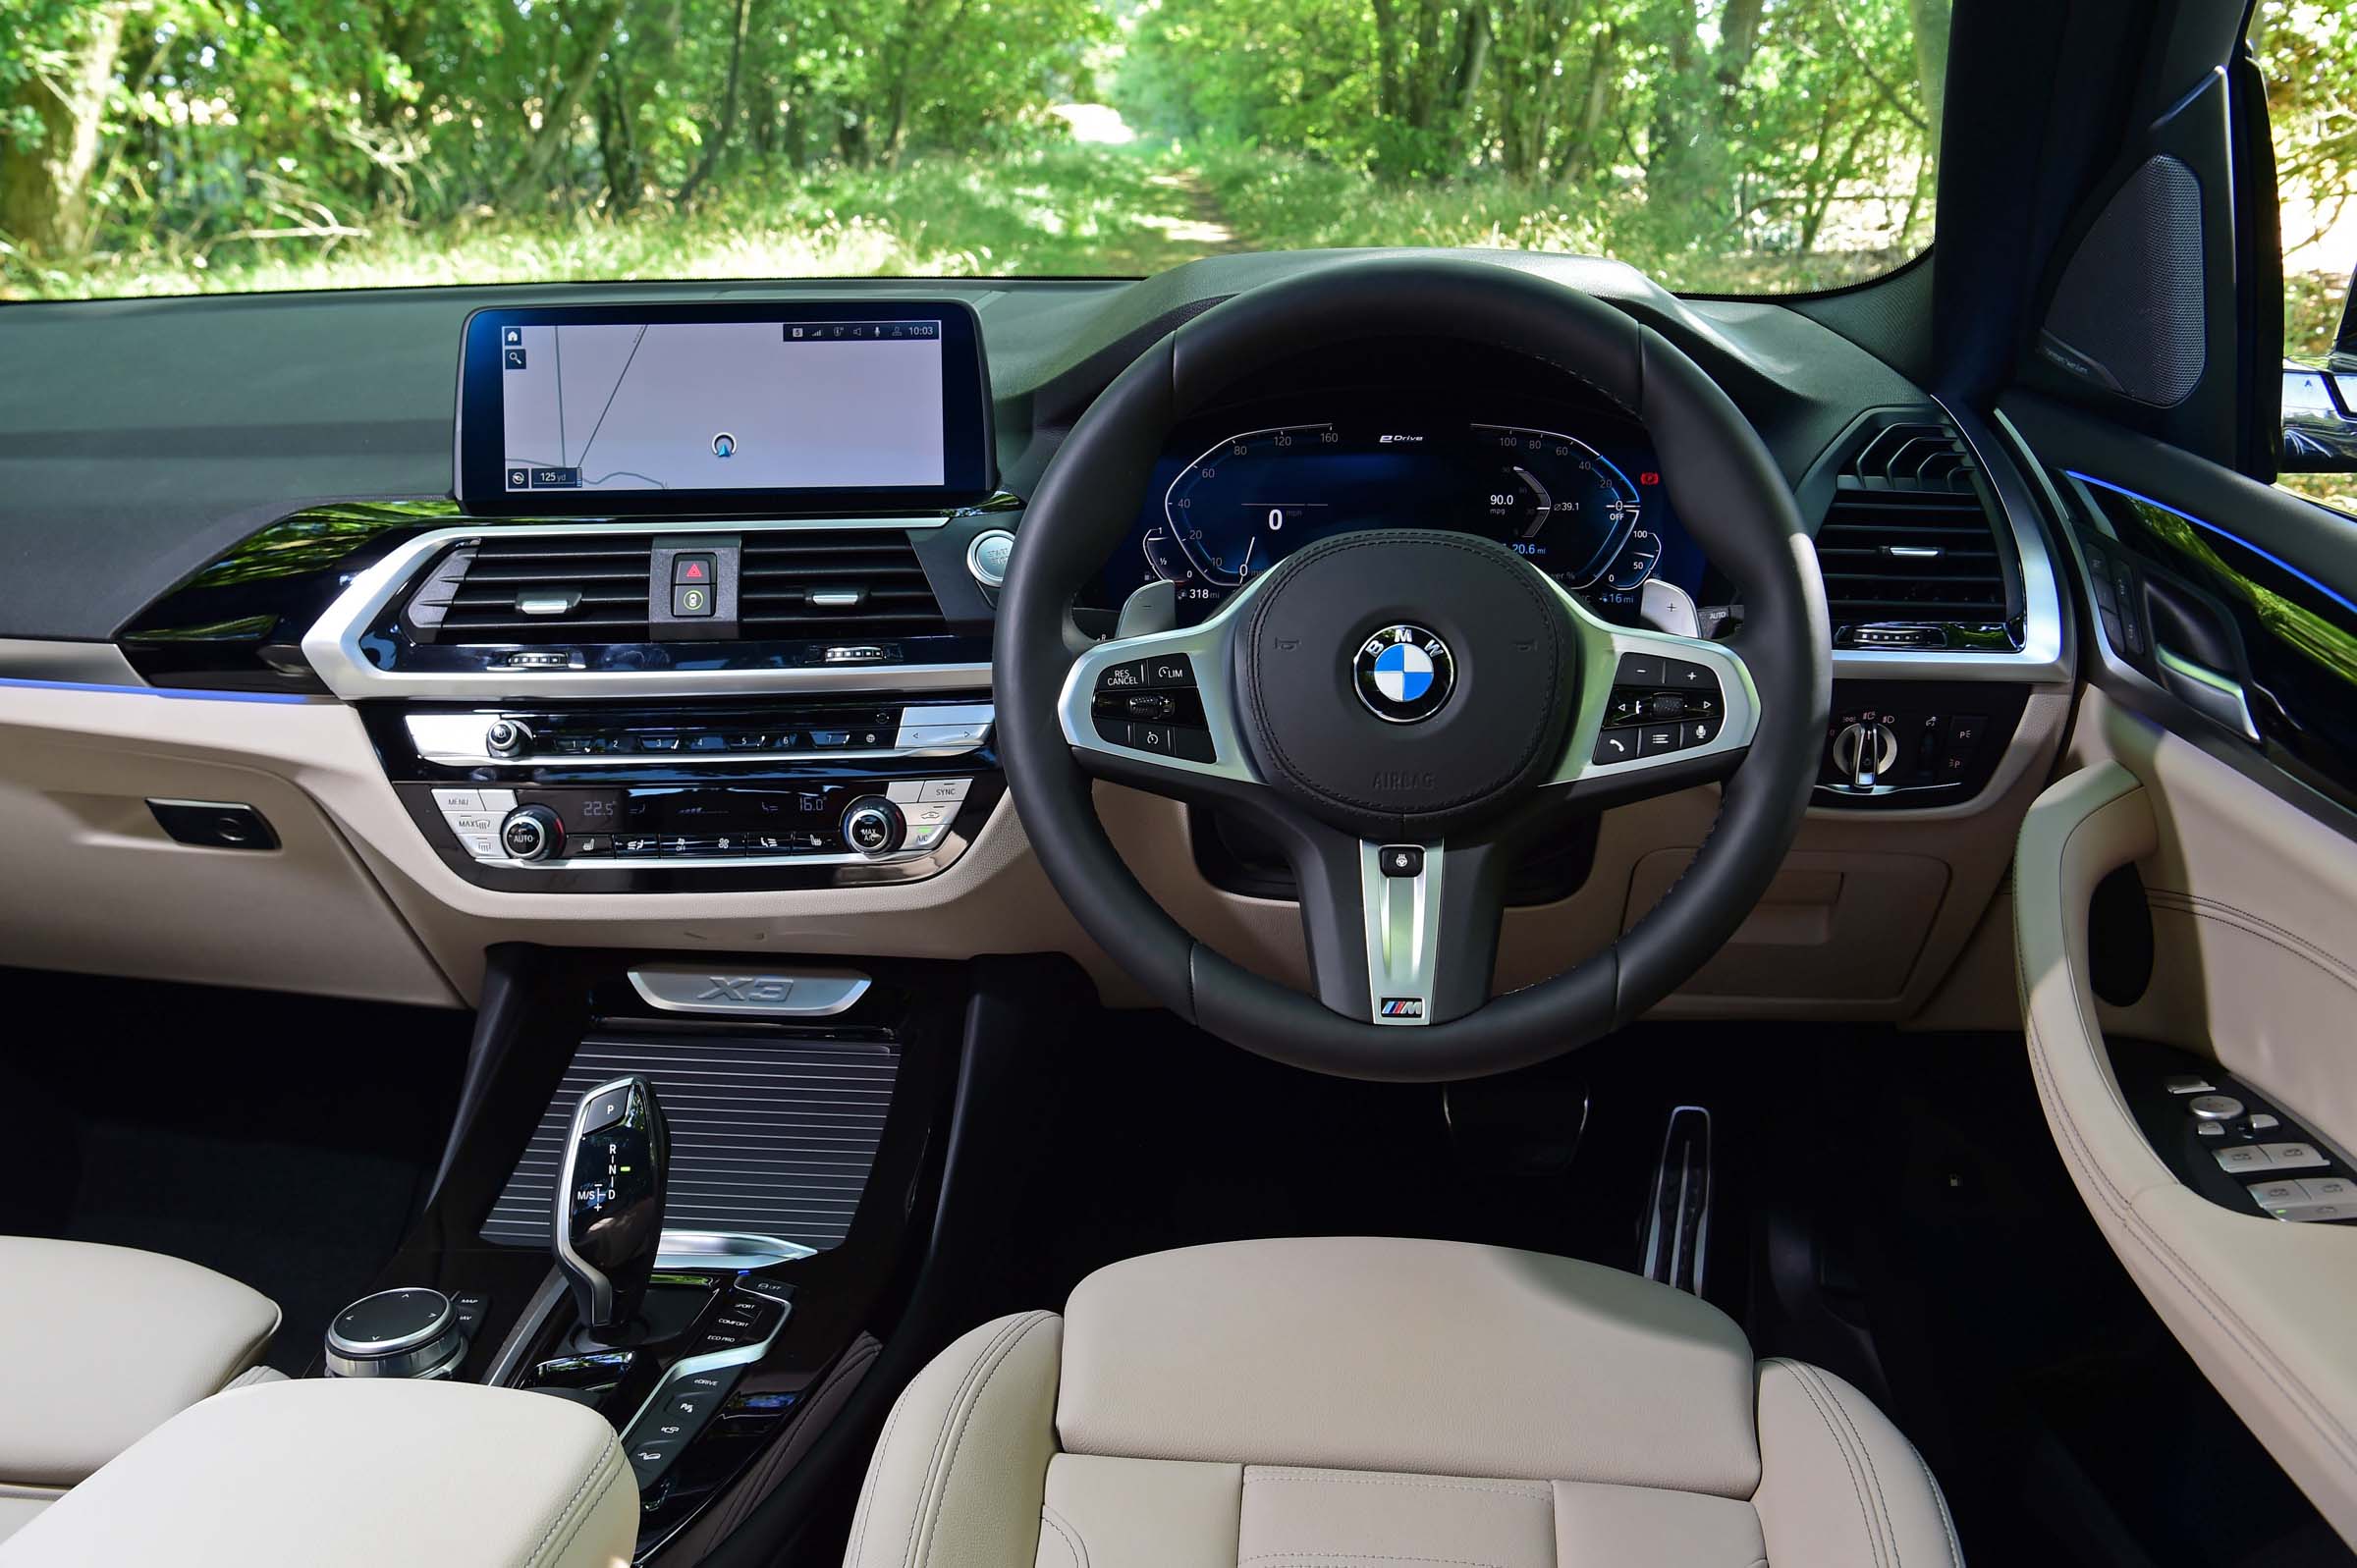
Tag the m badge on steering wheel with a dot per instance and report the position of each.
(1403, 673)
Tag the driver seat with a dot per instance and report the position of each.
(1339, 1402)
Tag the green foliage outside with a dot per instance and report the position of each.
(162, 145)
(167, 145)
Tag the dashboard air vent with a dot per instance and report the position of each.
(571, 588)
(1914, 458)
(826, 582)
(1909, 548)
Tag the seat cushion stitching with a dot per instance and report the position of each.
(1350, 1560)
(1072, 1538)
(965, 1418)
(598, 1467)
(1848, 1463)
(1874, 1479)
(929, 1491)
(1956, 1549)
(1330, 1480)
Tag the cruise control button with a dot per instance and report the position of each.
(1193, 745)
(1617, 745)
(1129, 677)
(1170, 671)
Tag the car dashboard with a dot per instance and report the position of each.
(391, 728)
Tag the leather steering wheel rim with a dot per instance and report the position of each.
(1728, 493)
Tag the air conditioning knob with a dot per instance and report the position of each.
(1864, 752)
(531, 833)
(508, 737)
(873, 826)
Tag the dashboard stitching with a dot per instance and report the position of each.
(1260, 710)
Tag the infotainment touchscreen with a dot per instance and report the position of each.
(720, 408)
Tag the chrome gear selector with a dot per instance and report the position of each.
(609, 1220)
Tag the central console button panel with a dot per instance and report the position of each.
(1896, 744)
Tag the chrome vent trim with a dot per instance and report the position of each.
(337, 644)
(771, 1138)
(2039, 658)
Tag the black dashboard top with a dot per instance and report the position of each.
(142, 440)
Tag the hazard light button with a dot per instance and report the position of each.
(692, 570)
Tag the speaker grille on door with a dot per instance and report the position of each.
(767, 1138)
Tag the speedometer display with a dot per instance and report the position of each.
(1234, 507)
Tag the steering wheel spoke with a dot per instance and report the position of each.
(1401, 934)
(1158, 712)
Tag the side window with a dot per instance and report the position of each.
(2307, 50)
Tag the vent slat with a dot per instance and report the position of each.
(1908, 539)
(605, 578)
(780, 570)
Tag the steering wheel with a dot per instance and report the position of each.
(1408, 713)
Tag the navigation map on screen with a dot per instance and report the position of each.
(722, 405)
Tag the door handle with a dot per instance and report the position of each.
(2217, 697)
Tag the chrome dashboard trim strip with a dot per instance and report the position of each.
(333, 648)
(455, 740)
(2040, 657)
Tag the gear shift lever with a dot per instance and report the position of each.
(610, 1199)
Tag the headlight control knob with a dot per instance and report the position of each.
(1864, 752)
(873, 826)
(508, 737)
(531, 833)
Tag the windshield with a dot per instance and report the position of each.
(155, 146)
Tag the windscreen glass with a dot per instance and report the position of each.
(1719, 145)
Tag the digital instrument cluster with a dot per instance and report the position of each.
(1575, 492)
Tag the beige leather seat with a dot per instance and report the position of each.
(1343, 1402)
(98, 1346)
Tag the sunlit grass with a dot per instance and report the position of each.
(1053, 209)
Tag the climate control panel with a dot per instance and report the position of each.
(602, 799)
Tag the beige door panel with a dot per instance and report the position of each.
(2243, 971)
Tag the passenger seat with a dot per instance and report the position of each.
(98, 1345)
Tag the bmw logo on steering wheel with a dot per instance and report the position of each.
(1403, 673)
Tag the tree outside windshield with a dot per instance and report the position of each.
(153, 147)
